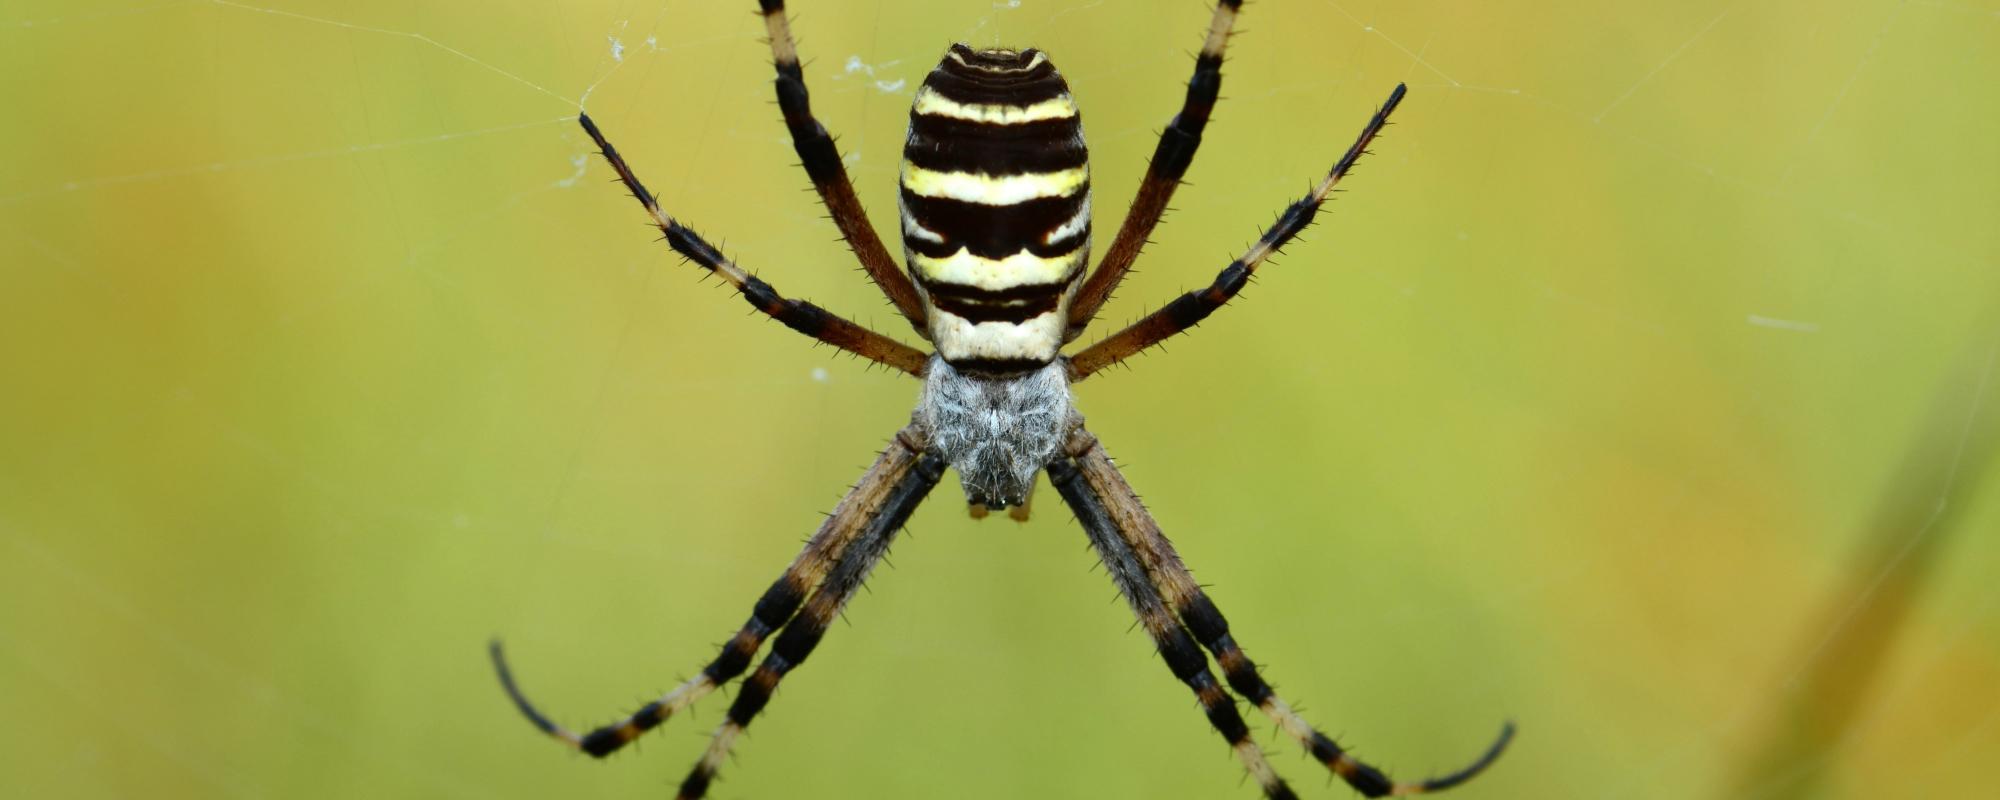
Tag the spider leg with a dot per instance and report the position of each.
(1171, 578)
(1179, 650)
(1191, 308)
(870, 499)
(796, 642)
(798, 315)
(1171, 158)
(821, 160)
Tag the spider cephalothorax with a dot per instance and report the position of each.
(998, 431)
(995, 210)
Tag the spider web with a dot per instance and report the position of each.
(1642, 391)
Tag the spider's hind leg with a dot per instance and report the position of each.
(1190, 309)
(1171, 158)
(821, 159)
(798, 315)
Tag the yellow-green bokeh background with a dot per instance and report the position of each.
(323, 363)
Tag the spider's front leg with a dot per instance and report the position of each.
(798, 315)
(1101, 498)
(1191, 308)
(1176, 647)
(850, 539)
(803, 633)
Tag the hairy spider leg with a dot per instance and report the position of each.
(1175, 646)
(798, 315)
(796, 642)
(1171, 158)
(821, 160)
(851, 520)
(1170, 577)
(1190, 309)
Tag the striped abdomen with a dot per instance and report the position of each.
(996, 206)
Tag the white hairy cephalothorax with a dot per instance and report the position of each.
(998, 432)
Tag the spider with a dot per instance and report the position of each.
(995, 209)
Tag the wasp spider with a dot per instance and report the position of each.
(995, 216)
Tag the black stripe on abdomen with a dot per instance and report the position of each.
(950, 144)
(995, 232)
(1014, 312)
(996, 77)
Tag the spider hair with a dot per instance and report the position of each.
(997, 431)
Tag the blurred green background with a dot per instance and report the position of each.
(1637, 391)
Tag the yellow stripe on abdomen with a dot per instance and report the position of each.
(1020, 269)
(993, 190)
(932, 103)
